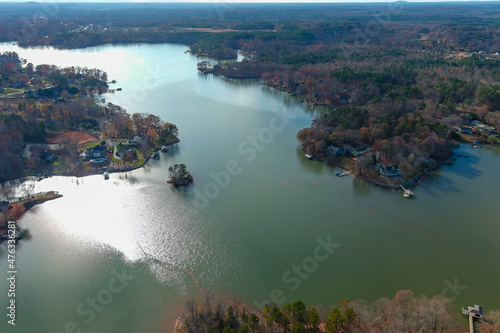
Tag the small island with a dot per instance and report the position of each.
(179, 176)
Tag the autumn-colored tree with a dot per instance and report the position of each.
(152, 135)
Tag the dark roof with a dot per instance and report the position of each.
(390, 168)
(46, 154)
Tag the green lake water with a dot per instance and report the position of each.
(252, 218)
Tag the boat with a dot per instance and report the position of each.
(106, 175)
(407, 193)
(309, 157)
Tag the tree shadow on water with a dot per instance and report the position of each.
(438, 185)
(463, 167)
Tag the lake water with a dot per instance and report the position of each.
(253, 223)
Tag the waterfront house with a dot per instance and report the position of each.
(484, 129)
(389, 171)
(334, 150)
(466, 130)
(96, 152)
(47, 156)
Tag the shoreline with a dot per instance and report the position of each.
(21, 207)
(412, 183)
(86, 173)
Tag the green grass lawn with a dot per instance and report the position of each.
(140, 156)
(88, 145)
(60, 165)
(11, 91)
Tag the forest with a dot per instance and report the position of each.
(405, 312)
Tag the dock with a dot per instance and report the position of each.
(474, 313)
(406, 193)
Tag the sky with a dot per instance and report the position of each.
(244, 1)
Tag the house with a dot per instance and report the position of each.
(98, 151)
(389, 171)
(465, 130)
(484, 129)
(347, 151)
(18, 85)
(30, 94)
(47, 156)
(133, 143)
(51, 123)
(334, 150)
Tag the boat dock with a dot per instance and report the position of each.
(406, 193)
(475, 313)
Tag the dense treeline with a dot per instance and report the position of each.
(417, 80)
(453, 26)
(404, 313)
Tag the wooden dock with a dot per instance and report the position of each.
(474, 313)
(406, 193)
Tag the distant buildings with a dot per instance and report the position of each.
(482, 128)
(476, 127)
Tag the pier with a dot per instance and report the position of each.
(475, 313)
(406, 193)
